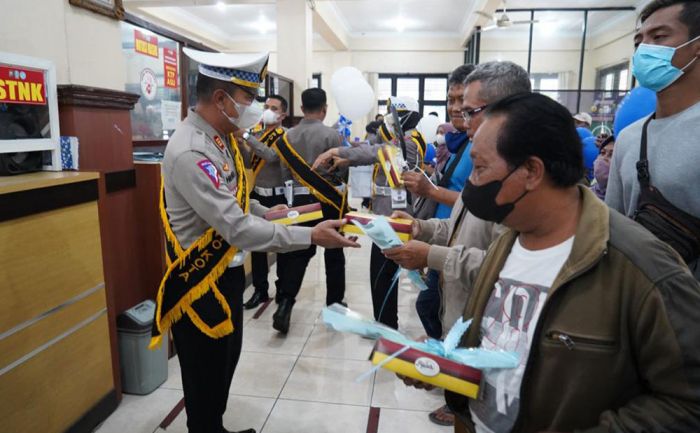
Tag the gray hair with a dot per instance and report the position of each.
(499, 80)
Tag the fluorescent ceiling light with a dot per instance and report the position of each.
(263, 25)
(221, 5)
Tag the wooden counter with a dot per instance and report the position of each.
(56, 371)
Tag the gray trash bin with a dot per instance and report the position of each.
(143, 370)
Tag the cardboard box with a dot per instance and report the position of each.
(426, 367)
(296, 215)
(400, 225)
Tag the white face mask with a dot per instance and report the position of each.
(248, 115)
(440, 139)
(269, 117)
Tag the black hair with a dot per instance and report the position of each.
(690, 15)
(373, 126)
(313, 99)
(536, 125)
(206, 86)
(460, 74)
(433, 113)
(378, 116)
(283, 102)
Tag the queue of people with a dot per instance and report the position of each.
(593, 280)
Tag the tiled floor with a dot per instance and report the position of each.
(304, 382)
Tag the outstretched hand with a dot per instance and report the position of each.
(411, 255)
(325, 234)
(325, 159)
(415, 228)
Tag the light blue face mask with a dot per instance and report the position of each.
(651, 65)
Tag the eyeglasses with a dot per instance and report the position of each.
(468, 114)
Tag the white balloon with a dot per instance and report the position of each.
(428, 126)
(353, 96)
(346, 73)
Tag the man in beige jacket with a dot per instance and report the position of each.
(456, 246)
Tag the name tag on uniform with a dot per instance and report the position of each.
(398, 198)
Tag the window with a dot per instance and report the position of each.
(384, 88)
(153, 72)
(316, 81)
(613, 80)
(572, 45)
(430, 90)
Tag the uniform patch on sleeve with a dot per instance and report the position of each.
(211, 171)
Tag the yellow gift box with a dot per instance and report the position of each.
(296, 215)
(400, 225)
(427, 367)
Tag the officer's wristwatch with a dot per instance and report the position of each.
(246, 135)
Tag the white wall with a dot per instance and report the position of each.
(84, 46)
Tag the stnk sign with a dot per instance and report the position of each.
(22, 86)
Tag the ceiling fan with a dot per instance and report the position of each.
(501, 21)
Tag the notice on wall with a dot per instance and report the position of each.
(144, 44)
(170, 114)
(20, 85)
(170, 67)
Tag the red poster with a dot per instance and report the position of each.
(170, 67)
(20, 85)
(147, 45)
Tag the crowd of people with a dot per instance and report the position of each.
(582, 260)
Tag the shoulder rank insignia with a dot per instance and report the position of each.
(219, 143)
(211, 171)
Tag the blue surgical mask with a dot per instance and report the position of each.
(455, 140)
(651, 65)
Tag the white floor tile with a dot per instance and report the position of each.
(141, 414)
(329, 380)
(406, 421)
(390, 392)
(290, 416)
(326, 343)
(260, 337)
(261, 374)
(305, 311)
(241, 413)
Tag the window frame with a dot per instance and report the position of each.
(394, 77)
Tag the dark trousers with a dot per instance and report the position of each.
(207, 364)
(381, 273)
(428, 306)
(294, 265)
(258, 260)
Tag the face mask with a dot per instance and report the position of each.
(651, 65)
(248, 115)
(455, 140)
(601, 169)
(481, 200)
(440, 139)
(269, 117)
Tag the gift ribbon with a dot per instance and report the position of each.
(343, 127)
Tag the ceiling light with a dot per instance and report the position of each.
(400, 24)
(264, 25)
(221, 5)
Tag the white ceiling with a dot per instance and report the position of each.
(229, 21)
(362, 17)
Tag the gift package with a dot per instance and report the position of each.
(401, 226)
(437, 362)
(295, 215)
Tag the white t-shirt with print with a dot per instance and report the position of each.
(509, 321)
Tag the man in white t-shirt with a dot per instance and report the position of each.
(602, 314)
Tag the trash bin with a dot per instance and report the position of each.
(143, 370)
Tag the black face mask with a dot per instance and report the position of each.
(481, 200)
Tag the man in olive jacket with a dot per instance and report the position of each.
(602, 314)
